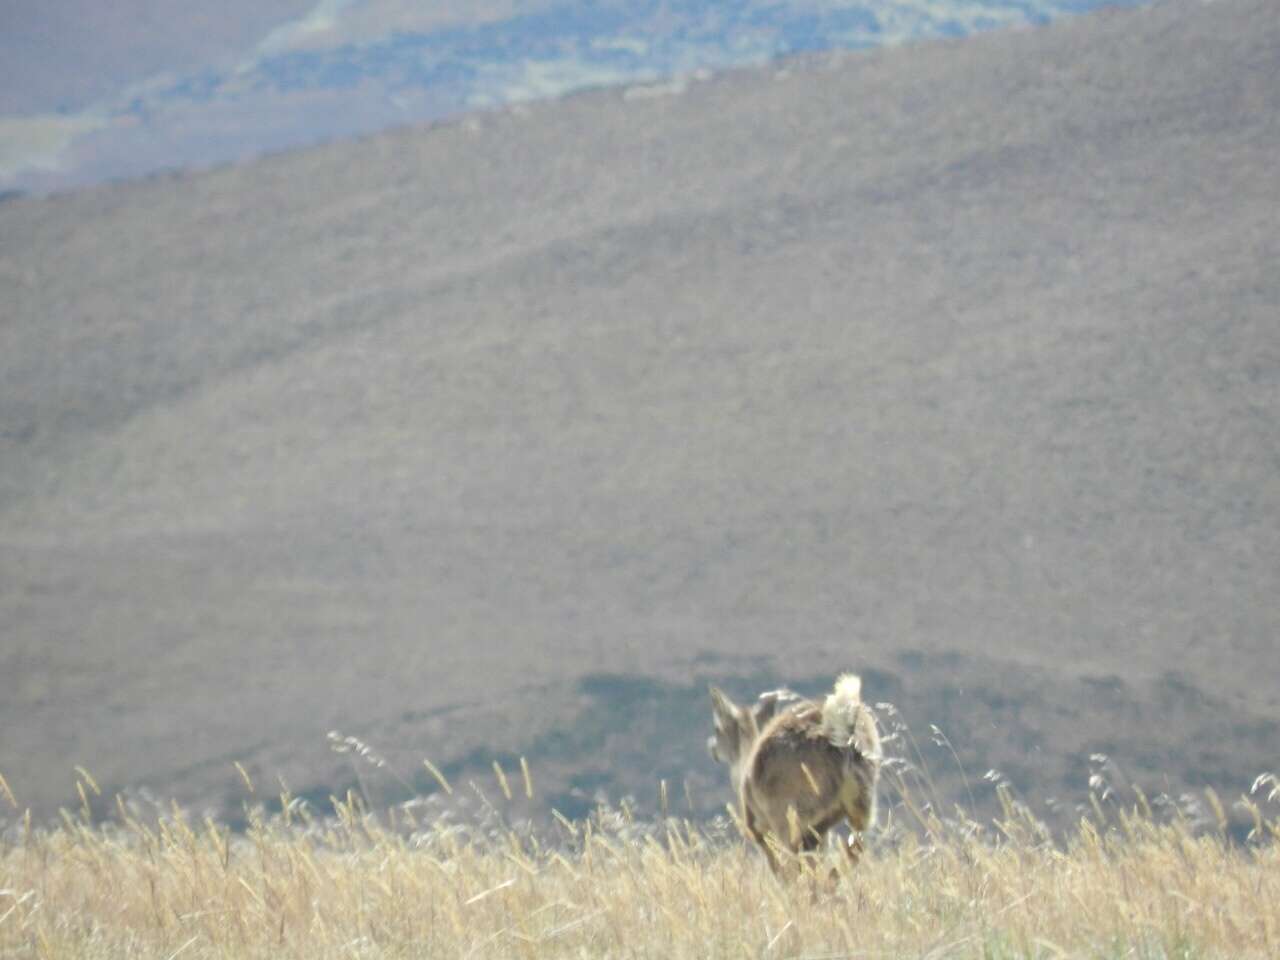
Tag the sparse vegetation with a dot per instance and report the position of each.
(1139, 880)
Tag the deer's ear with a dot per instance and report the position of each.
(771, 702)
(724, 710)
(766, 707)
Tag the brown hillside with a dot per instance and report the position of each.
(956, 364)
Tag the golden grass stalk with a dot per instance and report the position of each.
(528, 778)
(502, 780)
(440, 777)
(8, 794)
(244, 776)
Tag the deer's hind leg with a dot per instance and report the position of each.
(853, 848)
(752, 825)
(858, 814)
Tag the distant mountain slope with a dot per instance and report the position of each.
(93, 93)
(956, 364)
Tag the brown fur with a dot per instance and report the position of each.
(807, 768)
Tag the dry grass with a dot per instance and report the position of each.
(355, 885)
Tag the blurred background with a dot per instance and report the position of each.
(935, 342)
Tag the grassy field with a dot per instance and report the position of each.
(1131, 880)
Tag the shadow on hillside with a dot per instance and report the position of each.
(959, 725)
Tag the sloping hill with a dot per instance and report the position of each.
(957, 364)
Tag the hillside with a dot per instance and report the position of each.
(956, 364)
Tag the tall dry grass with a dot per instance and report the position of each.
(1125, 883)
